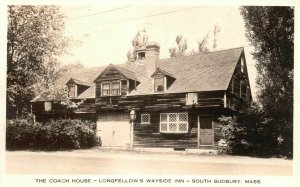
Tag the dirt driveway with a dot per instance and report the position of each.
(123, 162)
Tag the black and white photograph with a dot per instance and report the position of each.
(148, 93)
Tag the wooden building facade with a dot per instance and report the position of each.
(177, 101)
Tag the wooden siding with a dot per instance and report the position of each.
(148, 135)
(158, 102)
(88, 106)
(239, 87)
(86, 111)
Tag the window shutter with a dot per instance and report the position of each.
(98, 89)
(124, 87)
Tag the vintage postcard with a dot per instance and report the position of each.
(148, 93)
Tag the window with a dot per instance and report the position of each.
(106, 89)
(159, 84)
(115, 88)
(141, 55)
(243, 90)
(192, 98)
(48, 106)
(145, 118)
(111, 88)
(242, 65)
(174, 122)
(72, 91)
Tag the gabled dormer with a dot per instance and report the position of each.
(162, 80)
(76, 87)
(115, 81)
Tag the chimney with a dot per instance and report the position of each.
(151, 57)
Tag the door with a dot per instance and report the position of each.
(114, 129)
(206, 130)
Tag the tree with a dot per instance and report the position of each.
(202, 45)
(35, 41)
(181, 47)
(139, 41)
(51, 74)
(271, 31)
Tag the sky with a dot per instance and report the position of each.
(105, 32)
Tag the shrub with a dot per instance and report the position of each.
(249, 133)
(53, 135)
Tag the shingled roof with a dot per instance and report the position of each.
(125, 72)
(79, 82)
(201, 72)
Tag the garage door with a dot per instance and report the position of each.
(114, 129)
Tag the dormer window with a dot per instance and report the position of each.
(115, 88)
(115, 81)
(159, 84)
(111, 88)
(72, 91)
(141, 55)
(76, 87)
(106, 89)
(162, 80)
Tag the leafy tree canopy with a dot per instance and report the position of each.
(139, 41)
(35, 41)
(181, 47)
(271, 31)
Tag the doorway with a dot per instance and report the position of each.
(205, 130)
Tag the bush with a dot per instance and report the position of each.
(249, 133)
(53, 135)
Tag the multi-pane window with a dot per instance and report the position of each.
(111, 88)
(159, 84)
(106, 89)
(145, 118)
(174, 122)
(115, 88)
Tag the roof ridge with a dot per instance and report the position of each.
(201, 54)
(123, 67)
(80, 80)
